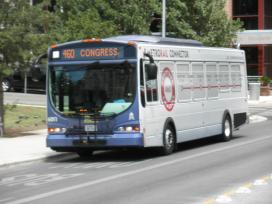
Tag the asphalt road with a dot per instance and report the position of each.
(24, 99)
(205, 171)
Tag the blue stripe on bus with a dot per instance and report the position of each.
(115, 140)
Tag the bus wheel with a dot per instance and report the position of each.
(226, 129)
(84, 153)
(169, 141)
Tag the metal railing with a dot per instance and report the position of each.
(256, 79)
(253, 79)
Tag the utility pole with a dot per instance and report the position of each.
(163, 18)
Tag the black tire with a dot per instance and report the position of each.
(6, 85)
(84, 153)
(169, 140)
(226, 129)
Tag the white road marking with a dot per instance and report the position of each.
(223, 199)
(35, 179)
(260, 182)
(243, 190)
(256, 119)
(98, 165)
(133, 172)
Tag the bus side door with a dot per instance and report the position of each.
(151, 110)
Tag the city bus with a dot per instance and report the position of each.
(142, 91)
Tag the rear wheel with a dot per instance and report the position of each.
(226, 129)
(84, 153)
(6, 85)
(169, 140)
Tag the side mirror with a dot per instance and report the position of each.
(38, 69)
(36, 74)
(151, 68)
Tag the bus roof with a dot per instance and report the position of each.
(154, 40)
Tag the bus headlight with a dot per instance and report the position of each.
(56, 130)
(128, 128)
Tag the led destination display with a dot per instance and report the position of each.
(93, 53)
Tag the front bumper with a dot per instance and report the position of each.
(98, 141)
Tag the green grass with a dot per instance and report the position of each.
(19, 119)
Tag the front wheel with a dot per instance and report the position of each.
(226, 129)
(169, 141)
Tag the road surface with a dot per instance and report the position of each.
(204, 172)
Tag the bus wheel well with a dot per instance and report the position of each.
(226, 114)
(170, 122)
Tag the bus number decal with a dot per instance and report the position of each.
(69, 53)
(168, 89)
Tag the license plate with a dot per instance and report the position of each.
(89, 128)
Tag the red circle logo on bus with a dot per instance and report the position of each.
(168, 89)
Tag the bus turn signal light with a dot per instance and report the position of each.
(56, 130)
(54, 46)
(129, 128)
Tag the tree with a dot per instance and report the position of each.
(134, 17)
(24, 34)
(201, 20)
(101, 18)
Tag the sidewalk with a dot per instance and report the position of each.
(25, 148)
(264, 100)
(33, 146)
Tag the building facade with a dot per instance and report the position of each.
(256, 15)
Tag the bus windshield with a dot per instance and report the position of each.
(92, 89)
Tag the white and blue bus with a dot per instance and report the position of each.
(142, 91)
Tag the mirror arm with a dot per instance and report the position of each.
(150, 57)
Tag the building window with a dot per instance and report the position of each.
(249, 23)
(252, 60)
(268, 14)
(268, 60)
(247, 12)
(245, 7)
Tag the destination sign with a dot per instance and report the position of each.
(91, 53)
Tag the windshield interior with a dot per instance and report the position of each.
(95, 88)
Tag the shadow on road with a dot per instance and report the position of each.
(133, 155)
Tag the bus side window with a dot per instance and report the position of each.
(142, 89)
(151, 87)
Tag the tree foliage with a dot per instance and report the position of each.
(24, 34)
(100, 18)
(201, 20)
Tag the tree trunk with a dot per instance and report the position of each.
(1, 110)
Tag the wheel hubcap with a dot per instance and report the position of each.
(169, 138)
(227, 129)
